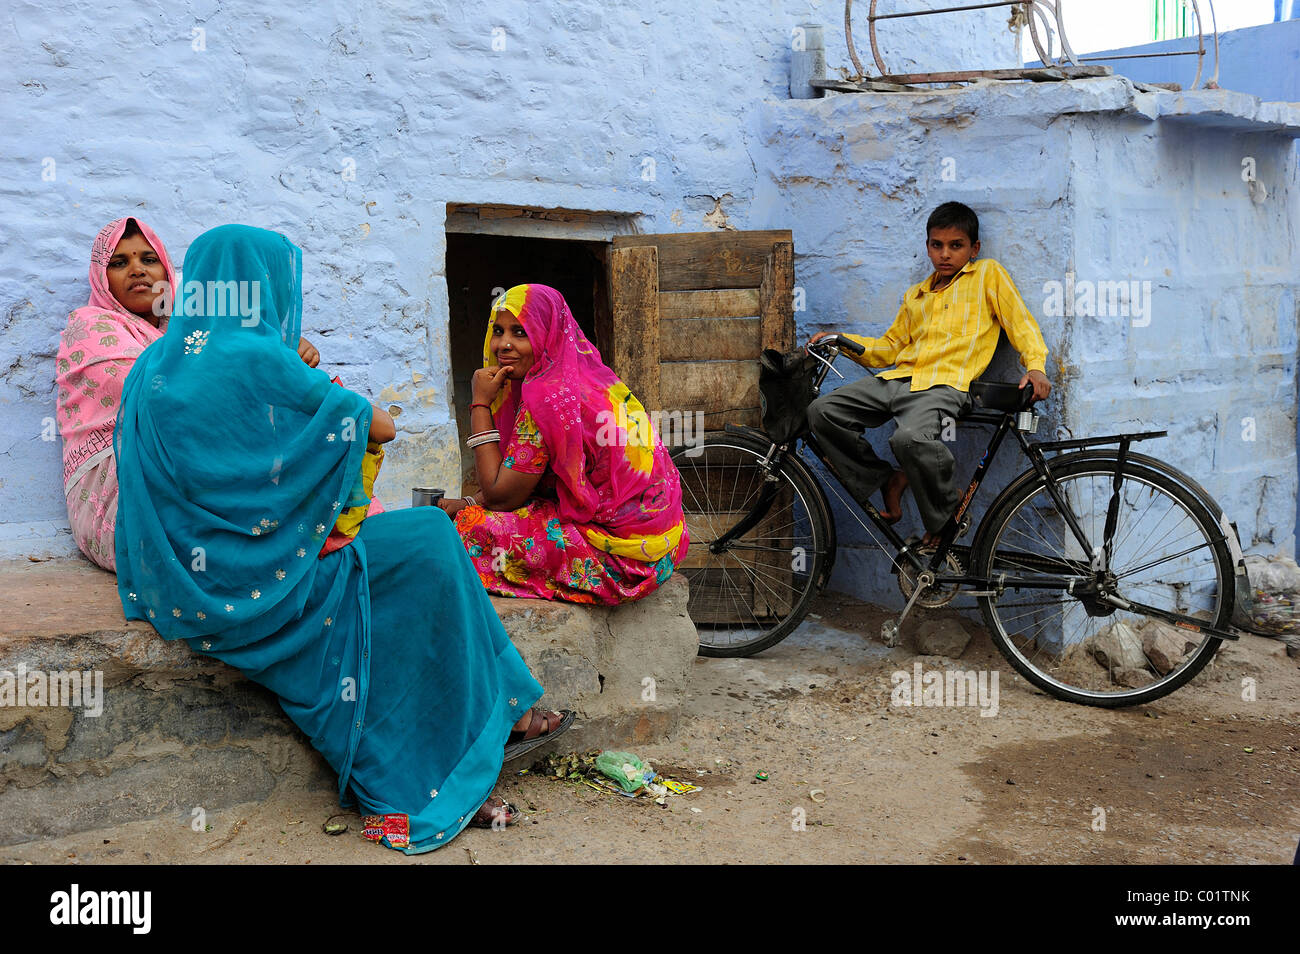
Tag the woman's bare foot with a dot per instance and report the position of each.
(893, 494)
(495, 813)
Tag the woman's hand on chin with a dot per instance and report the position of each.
(487, 382)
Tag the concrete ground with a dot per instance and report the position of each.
(1200, 776)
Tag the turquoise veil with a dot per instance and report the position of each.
(233, 461)
(233, 457)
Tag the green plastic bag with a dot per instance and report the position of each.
(624, 768)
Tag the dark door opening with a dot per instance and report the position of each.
(478, 263)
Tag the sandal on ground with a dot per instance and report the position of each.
(542, 727)
(495, 807)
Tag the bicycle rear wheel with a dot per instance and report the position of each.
(754, 590)
(1167, 552)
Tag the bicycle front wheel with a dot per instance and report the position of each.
(1167, 552)
(750, 592)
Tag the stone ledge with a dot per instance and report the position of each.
(1042, 102)
(176, 723)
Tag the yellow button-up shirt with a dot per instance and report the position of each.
(949, 336)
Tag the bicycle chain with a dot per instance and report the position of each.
(934, 596)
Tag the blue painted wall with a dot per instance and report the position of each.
(1263, 61)
(260, 117)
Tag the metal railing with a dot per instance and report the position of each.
(1046, 14)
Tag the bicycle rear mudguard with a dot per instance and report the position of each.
(795, 462)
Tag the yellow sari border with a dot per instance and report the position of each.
(649, 549)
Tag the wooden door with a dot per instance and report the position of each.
(690, 313)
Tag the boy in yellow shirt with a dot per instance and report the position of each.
(943, 338)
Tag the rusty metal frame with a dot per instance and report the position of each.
(1199, 52)
(1033, 14)
(1032, 9)
(1048, 14)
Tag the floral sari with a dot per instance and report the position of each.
(606, 525)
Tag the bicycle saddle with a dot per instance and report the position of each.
(999, 396)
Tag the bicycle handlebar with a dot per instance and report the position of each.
(840, 342)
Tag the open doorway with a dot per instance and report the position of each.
(478, 264)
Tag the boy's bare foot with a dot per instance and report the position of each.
(893, 494)
(929, 540)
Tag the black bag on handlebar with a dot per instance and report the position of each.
(785, 389)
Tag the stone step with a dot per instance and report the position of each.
(176, 730)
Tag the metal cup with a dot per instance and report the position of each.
(426, 496)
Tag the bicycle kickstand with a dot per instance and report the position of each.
(890, 629)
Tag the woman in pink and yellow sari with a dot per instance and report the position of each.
(125, 315)
(579, 501)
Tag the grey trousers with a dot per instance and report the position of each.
(838, 419)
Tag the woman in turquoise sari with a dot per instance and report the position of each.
(235, 460)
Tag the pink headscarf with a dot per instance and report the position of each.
(98, 346)
(611, 468)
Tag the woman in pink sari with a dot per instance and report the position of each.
(583, 504)
(131, 286)
(126, 314)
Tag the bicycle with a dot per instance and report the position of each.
(1074, 546)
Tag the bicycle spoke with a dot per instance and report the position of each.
(1116, 545)
(756, 586)
(1163, 549)
(1173, 556)
(750, 546)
